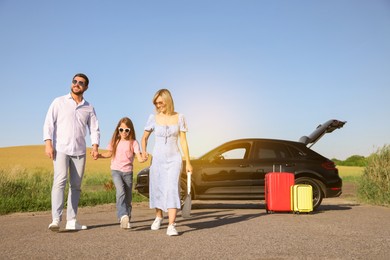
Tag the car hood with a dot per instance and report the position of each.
(327, 127)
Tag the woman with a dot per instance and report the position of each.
(166, 166)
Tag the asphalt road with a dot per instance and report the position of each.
(341, 229)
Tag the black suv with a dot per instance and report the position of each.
(236, 169)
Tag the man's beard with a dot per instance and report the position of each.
(78, 93)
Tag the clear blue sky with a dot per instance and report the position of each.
(236, 68)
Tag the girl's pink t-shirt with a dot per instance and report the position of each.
(123, 160)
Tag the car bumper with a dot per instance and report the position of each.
(334, 190)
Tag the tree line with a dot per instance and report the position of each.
(354, 160)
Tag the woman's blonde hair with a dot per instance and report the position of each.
(167, 97)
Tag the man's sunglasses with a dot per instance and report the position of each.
(80, 83)
(127, 130)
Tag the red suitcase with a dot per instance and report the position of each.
(277, 191)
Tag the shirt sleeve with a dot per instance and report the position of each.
(150, 124)
(182, 123)
(94, 128)
(49, 125)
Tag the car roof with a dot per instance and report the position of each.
(258, 140)
(327, 127)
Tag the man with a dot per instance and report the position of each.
(64, 134)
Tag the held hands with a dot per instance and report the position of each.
(95, 154)
(144, 156)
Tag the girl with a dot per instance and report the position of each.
(122, 148)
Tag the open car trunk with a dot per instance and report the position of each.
(327, 127)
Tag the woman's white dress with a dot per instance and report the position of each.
(166, 164)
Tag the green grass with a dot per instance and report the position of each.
(26, 177)
(374, 186)
(350, 173)
(373, 180)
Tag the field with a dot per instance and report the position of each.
(350, 173)
(26, 175)
(34, 158)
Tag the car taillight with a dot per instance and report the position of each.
(329, 165)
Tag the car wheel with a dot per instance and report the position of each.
(318, 195)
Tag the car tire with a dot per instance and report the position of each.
(318, 195)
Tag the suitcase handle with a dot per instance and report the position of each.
(273, 168)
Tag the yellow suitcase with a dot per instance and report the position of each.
(301, 198)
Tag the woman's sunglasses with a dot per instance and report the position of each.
(127, 130)
(80, 83)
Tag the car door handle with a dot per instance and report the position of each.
(244, 165)
(290, 164)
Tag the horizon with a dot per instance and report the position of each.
(192, 157)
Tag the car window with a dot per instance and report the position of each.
(238, 153)
(296, 153)
(234, 152)
(270, 150)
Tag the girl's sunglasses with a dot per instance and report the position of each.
(127, 130)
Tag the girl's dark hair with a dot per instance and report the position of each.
(81, 75)
(116, 135)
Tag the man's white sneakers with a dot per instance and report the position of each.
(125, 222)
(55, 225)
(74, 225)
